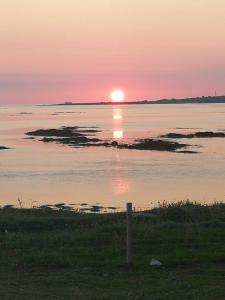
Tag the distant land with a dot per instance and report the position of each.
(196, 100)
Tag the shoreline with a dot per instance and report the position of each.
(87, 208)
(193, 100)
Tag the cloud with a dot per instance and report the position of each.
(19, 80)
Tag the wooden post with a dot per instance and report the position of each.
(129, 233)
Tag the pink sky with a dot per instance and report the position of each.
(79, 50)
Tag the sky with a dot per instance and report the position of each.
(79, 50)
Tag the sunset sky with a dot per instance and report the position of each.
(79, 50)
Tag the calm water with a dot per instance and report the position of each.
(41, 173)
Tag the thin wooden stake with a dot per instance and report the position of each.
(129, 233)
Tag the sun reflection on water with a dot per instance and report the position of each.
(117, 117)
(117, 123)
(121, 182)
(121, 185)
(118, 134)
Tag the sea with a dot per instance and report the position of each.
(33, 173)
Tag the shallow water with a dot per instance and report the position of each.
(41, 173)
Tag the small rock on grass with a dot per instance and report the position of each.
(155, 262)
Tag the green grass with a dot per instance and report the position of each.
(47, 254)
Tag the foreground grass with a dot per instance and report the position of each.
(48, 254)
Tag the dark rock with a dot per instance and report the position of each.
(152, 144)
(200, 134)
(79, 137)
(112, 208)
(72, 136)
(8, 206)
(114, 143)
(96, 208)
(4, 148)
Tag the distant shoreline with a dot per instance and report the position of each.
(196, 100)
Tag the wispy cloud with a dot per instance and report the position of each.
(19, 80)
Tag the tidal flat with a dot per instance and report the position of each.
(59, 254)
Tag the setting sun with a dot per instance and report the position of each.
(117, 96)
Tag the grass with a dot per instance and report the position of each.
(46, 254)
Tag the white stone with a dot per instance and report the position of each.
(155, 262)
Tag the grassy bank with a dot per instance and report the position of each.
(47, 254)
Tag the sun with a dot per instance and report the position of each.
(117, 95)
